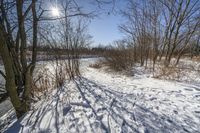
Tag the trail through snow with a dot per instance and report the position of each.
(103, 102)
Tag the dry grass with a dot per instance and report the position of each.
(45, 79)
(168, 72)
(96, 65)
(196, 58)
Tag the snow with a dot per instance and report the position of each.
(2, 81)
(109, 102)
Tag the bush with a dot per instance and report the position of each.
(119, 59)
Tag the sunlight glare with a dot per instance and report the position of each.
(55, 12)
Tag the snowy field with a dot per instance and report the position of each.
(104, 102)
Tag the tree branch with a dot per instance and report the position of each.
(2, 73)
(72, 15)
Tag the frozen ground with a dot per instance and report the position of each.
(105, 102)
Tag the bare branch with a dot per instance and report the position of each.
(2, 73)
(68, 16)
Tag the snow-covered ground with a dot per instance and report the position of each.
(107, 102)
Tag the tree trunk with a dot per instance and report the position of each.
(10, 77)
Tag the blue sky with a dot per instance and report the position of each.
(104, 29)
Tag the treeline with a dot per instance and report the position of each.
(48, 50)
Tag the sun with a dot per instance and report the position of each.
(55, 12)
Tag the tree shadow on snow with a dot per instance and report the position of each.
(43, 119)
(130, 116)
(99, 109)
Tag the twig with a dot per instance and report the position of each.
(2, 73)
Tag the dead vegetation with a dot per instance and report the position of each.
(168, 72)
(118, 57)
(96, 65)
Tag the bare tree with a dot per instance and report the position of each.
(19, 22)
(18, 71)
(142, 20)
(181, 24)
(161, 28)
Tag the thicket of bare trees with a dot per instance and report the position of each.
(71, 36)
(13, 31)
(160, 30)
(21, 25)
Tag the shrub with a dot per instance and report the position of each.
(119, 59)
